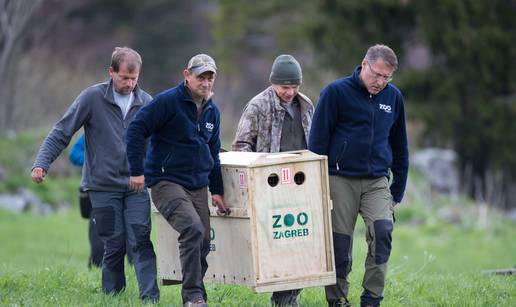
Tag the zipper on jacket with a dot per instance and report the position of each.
(165, 161)
(199, 116)
(372, 133)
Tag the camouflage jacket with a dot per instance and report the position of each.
(260, 126)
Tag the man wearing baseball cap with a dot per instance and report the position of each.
(182, 160)
(277, 119)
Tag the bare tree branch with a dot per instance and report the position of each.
(14, 17)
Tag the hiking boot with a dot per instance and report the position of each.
(291, 304)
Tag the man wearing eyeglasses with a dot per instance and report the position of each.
(359, 123)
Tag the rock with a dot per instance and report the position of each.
(24, 201)
(42, 209)
(450, 215)
(13, 203)
(438, 167)
(31, 198)
(511, 215)
(35, 204)
(63, 207)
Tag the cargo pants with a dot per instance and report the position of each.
(188, 213)
(121, 216)
(96, 244)
(371, 198)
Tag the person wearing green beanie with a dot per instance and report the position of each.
(286, 71)
(277, 119)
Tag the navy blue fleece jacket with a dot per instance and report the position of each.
(184, 147)
(363, 135)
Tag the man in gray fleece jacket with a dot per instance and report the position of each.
(105, 111)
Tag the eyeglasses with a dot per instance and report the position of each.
(379, 76)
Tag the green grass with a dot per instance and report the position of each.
(43, 263)
(43, 259)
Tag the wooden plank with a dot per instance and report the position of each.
(236, 180)
(255, 159)
(167, 253)
(290, 223)
(308, 281)
(238, 159)
(325, 184)
(229, 258)
(242, 213)
(298, 157)
(254, 238)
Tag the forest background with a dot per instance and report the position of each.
(456, 60)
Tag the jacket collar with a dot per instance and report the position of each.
(355, 77)
(108, 94)
(304, 102)
(186, 96)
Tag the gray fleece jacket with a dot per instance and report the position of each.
(105, 164)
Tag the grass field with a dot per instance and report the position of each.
(43, 263)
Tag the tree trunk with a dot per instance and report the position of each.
(14, 17)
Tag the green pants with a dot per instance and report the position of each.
(371, 198)
(188, 213)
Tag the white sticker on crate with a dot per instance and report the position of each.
(286, 175)
(241, 180)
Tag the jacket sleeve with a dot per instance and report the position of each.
(323, 122)
(400, 154)
(148, 120)
(247, 130)
(76, 155)
(62, 132)
(215, 177)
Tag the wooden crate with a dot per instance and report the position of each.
(279, 234)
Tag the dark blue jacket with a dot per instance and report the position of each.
(363, 135)
(183, 148)
(76, 155)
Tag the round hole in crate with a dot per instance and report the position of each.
(273, 180)
(299, 178)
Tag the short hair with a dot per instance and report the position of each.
(126, 55)
(383, 52)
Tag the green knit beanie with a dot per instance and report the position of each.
(286, 71)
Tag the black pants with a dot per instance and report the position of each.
(285, 298)
(96, 245)
(123, 223)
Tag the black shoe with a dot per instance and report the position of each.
(198, 303)
(342, 302)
